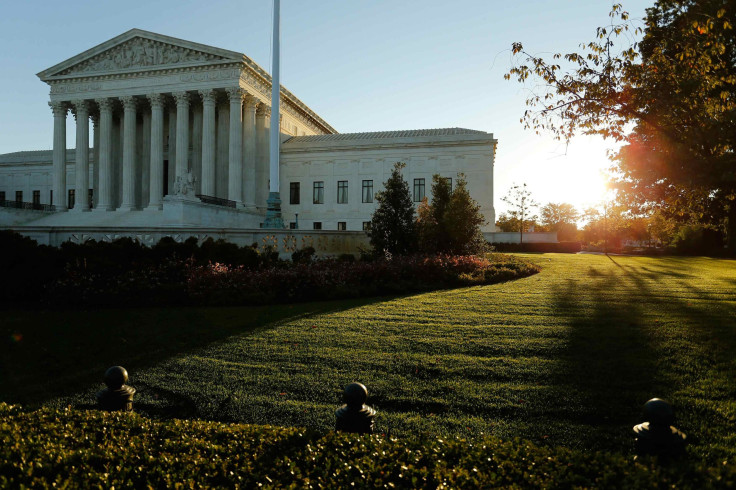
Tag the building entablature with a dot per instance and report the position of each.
(445, 137)
(138, 63)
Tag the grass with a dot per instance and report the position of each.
(563, 358)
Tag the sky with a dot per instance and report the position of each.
(363, 65)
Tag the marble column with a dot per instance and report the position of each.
(156, 187)
(129, 130)
(182, 134)
(249, 152)
(95, 159)
(144, 168)
(172, 150)
(104, 199)
(59, 154)
(196, 162)
(263, 128)
(208, 142)
(235, 168)
(221, 160)
(81, 165)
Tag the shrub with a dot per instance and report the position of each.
(303, 255)
(70, 448)
(218, 284)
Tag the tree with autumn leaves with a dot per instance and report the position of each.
(670, 98)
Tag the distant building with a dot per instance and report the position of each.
(179, 147)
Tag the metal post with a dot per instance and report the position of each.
(273, 212)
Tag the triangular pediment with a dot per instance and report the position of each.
(138, 50)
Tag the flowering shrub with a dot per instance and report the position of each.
(218, 284)
(125, 273)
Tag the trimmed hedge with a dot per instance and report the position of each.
(70, 448)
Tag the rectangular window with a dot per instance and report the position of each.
(2, 195)
(366, 225)
(367, 191)
(317, 225)
(51, 196)
(341, 226)
(319, 194)
(91, 197)
(292, 225)
(294, 193)
(18, 196)
(36, 197)
(418, 190)
(70, 200)
(342, 192)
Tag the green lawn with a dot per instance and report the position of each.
(565, 357)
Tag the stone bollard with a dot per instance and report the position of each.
(355, 416)
(117, 397)
(658, 436)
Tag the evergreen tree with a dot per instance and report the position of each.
(392, 224)
(463, 220)
(451, 223)
(431, 221)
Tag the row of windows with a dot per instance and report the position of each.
(37, 197)
(341, 225)
(318, 191)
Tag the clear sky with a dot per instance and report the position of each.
(363, 65)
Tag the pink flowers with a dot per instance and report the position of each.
(218, 284)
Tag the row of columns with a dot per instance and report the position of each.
(249, 122)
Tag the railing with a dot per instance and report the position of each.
(28, 205)
(217, 201)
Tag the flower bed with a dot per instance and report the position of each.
(175, 281)
(216, 284)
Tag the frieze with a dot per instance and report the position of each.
(75, 88)
(140, 53)
(209, 75)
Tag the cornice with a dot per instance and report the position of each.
(393, 143)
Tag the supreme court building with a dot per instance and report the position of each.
(172, 139)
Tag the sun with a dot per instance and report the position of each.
(574, 174)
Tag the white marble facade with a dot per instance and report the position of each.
(172, 120)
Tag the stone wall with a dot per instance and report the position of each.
(529, 237)
(284, 241)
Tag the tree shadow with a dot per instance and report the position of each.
(608, 365)
(45, 355)
(630, 339)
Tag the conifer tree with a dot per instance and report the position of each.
(392, 224)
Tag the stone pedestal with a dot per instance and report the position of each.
(273, 212)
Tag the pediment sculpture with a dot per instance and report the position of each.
(140, 53)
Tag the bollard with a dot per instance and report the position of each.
(658, 436)
(117, 397)
(355, 416)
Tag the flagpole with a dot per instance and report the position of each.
(273, 212)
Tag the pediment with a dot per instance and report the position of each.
(139, 51)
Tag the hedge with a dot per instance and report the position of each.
(91, 449)
(126, 273)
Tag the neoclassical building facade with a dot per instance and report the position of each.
(177, 136)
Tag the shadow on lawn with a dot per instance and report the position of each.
(618, 354)
(50, 354)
